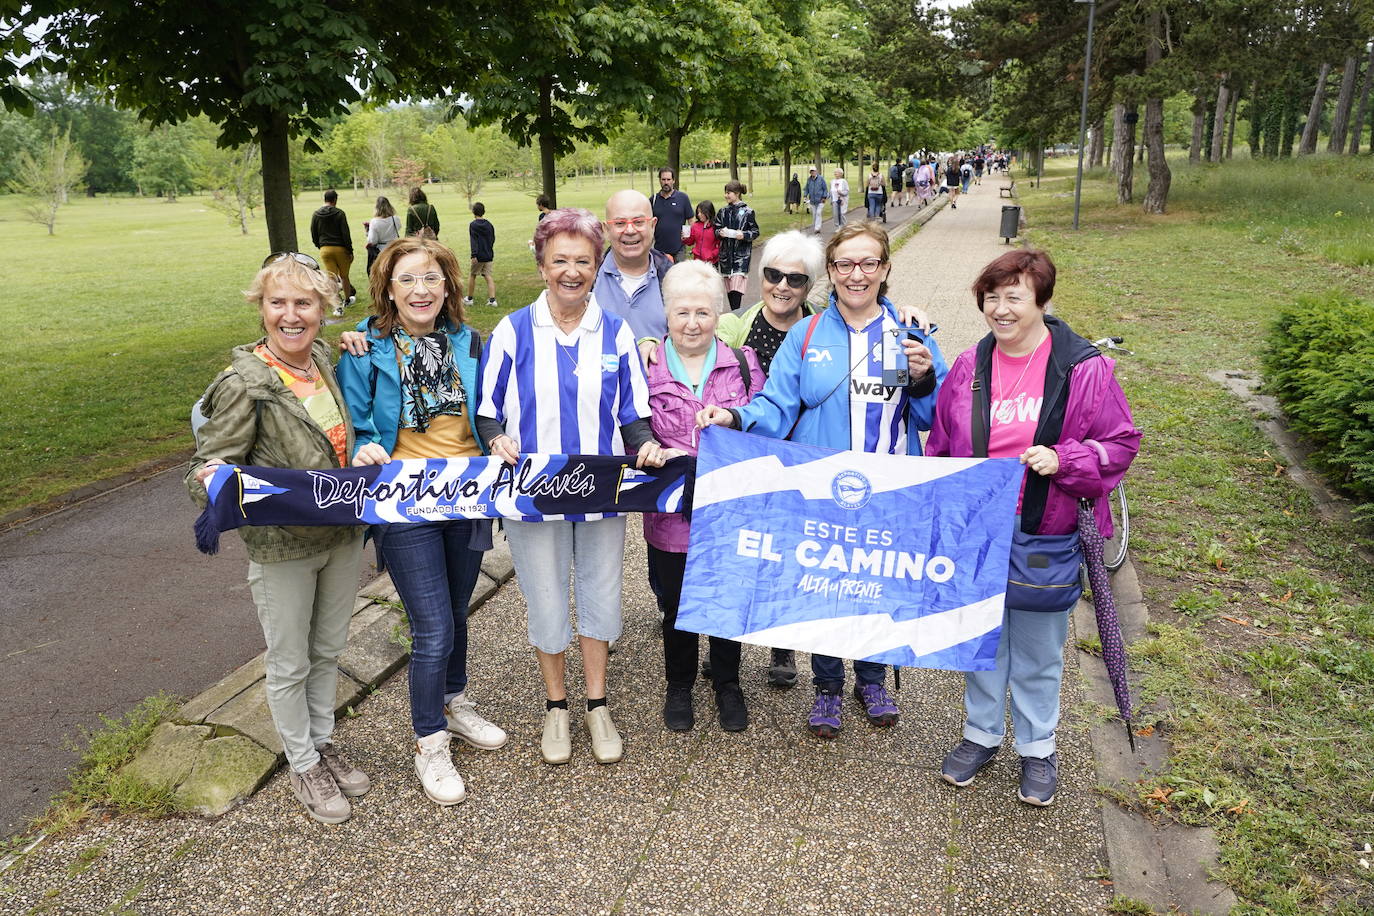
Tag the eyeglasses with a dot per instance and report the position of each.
(796, 281)
(638, 223)
(869, 266)
(408, 281)
(296, 256)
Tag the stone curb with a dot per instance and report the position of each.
(221, 746)
(1165, 865)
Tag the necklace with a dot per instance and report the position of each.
(573, 320)
(572, 360)
(1005, 409)
(308, 373)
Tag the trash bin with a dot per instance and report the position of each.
(1011, 222)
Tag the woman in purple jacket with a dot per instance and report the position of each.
(1049, 398)
(692, 369)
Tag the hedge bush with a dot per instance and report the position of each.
(1319, 363)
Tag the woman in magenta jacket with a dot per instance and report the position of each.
(692, 370)
(1049, 398)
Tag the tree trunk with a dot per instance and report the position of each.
(1125, 173)
(547, 163)
(1308, 145)
(1341, 120)
(675, 151)
(1095, 149)
(1259, 112)
(278, 202)
(1157, 192)
(1364, 102)
(1288, 123)
(1219, 121)
(816, 156)
(734, 151)
(1231, 130)
(1199, 116)
(1118, 136)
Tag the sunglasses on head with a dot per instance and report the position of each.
(296, 256)
(796, 281)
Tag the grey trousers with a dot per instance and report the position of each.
(304, 607)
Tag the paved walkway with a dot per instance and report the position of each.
(707, 822)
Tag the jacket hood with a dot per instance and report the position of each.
(326, 211)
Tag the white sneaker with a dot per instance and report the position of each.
(351, 300)
(467, 300)
(434, 766)
(464, 722)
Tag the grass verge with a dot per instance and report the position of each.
(1259, 667)
(97, 780)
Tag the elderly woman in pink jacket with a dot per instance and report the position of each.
(692, 370)
(1031, 389)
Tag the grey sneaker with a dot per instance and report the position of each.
(351, 781)
(964, 762)
(316, 789)
(1039, 780)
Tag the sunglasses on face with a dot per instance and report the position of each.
(296, 256)
(796, 281)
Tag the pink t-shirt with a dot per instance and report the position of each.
(1018, 391)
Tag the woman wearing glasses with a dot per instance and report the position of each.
(562, 375)
(737, 228)
(835, 398)
(278, 405)
(413, 395)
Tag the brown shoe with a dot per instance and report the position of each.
(350, 780)
(316, 789)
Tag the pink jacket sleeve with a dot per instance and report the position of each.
(1101, 414)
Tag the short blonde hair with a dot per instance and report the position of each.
(287, 269)
(693, 277)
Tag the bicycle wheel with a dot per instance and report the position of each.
(1114, 550)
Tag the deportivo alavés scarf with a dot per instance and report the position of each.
(537, 488)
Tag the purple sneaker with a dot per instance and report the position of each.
(880, 708)
(824, 720)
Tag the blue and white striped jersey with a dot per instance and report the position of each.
(563, 393)
(875, 412)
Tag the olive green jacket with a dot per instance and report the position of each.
(280, 434)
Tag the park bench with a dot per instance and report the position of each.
(1008, 189)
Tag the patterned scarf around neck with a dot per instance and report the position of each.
(430, 383)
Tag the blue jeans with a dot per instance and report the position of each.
(875, 205)
(1030, 665)
(827, 672)
(434, 570)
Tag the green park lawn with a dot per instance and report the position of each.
(122, 318)
(1259, 665)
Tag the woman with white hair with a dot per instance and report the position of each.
(791, 263)
(692, 369)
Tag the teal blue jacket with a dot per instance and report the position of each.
(371, 384)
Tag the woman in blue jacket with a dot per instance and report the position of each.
(825, 388)
(413, 394)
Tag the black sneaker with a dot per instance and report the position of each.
(964, 762)
(677, 709)
(1039, 780)
(734, 715)
(783, 671)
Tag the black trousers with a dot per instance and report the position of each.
(679, 647)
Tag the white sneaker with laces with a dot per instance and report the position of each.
(434, 766)
(467, 300)
(464, 722)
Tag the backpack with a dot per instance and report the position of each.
(875, 182)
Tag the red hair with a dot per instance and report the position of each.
(1031, 264)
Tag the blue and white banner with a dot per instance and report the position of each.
(887, 558)
(538, 487)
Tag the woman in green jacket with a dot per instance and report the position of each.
(279, 405)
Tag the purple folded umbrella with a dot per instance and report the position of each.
(1104, 603)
